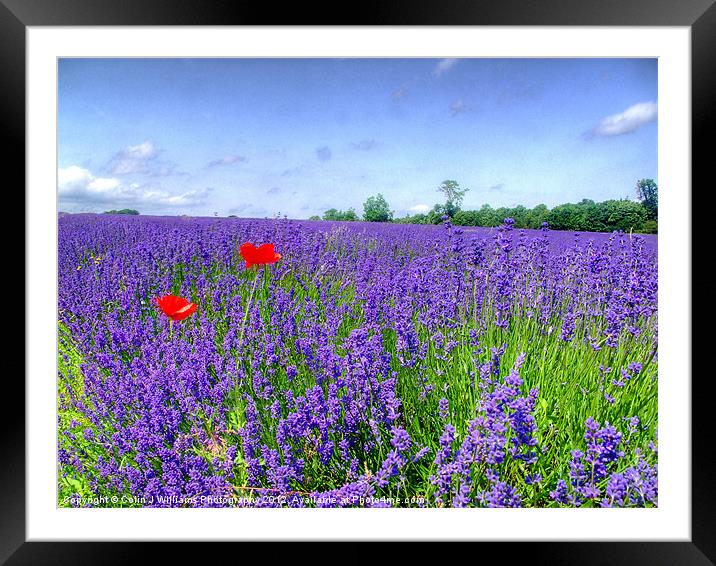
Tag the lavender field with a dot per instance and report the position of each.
(371, 365)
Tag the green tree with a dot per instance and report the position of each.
(487, 216)
(536, 216)
(625, 215)
(414, 219)
(130, 211)
(565, 217)
(376, 209)
(591, 216)
(453, 196)
(502, 213)
(648, 194)
(650, 227)
(519, 215)
(350, 215)
(331, 214)
(340, 215)
(466, 218)
(435, 216)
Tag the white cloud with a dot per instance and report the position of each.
(76, 185)
(443, 66)
(103, 185)
(227, 160)
(133, 159)
(628, 121)
(71, 175)
(75, 181)
(419, 209)
(144, 150)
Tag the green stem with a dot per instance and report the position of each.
(246, 316)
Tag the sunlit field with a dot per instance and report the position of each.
(361, 365)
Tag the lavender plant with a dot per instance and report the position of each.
(371, 365)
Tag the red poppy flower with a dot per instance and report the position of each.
(258, 256)
(176, 308)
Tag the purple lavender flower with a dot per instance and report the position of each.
(321, 380)
(443, 408)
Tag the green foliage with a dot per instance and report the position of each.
(315, 217)
(650, 227)
(70, 387)
(435, 216)
(466, 218)
(607, 216)
(536, 216)
(123, 211)
(648, 194)
(333, 214)
(453, 196)
(487, 216)
(376, 209)
(584, 216)
(519, 215)
(624, 215)
(565, 217)
(414, 219)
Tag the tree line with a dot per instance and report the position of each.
(130, 211)
(585, 216)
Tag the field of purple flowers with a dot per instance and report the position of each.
(372, 365)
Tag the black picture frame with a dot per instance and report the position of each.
(698, 15)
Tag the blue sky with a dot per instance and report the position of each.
(261, 137)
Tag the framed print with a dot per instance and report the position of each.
(412, 265)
